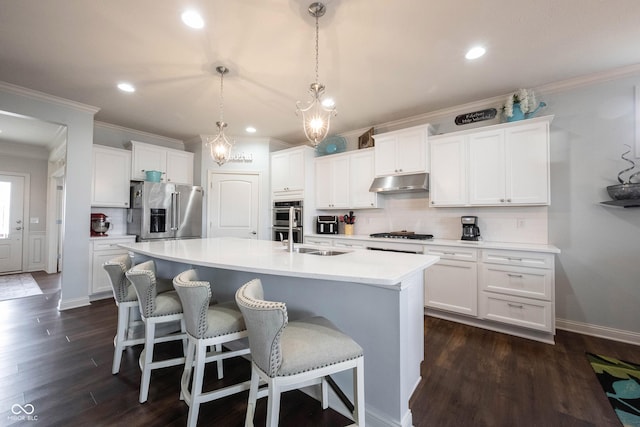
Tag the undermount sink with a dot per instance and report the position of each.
(319, 252)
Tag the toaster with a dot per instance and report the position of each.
(327, 224)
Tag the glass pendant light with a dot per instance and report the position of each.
(316, 115)
(220, 146)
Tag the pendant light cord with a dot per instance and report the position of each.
(317, 49)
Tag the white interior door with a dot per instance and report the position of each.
(11, 222)
(234, 205)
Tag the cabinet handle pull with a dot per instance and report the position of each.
(514, 275)
(501, 200)
(514, 259)
(515, 305)
(449, 253)
(509, 200)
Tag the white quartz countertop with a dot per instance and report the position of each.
(269, 257)
(444, 242)
(114, 237)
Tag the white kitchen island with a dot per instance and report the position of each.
(375, 297)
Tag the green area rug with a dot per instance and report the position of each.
(621, 383)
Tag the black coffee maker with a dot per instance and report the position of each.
(470, 230)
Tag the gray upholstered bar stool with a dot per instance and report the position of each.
(126, 300)
(290, 355)
(155, 308)
(207, 326)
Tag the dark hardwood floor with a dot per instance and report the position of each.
(60, 362)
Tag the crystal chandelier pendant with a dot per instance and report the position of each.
(220, 146)
(316, 115)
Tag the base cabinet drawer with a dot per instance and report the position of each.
(452, 286)
(523, 312)
(519, 281)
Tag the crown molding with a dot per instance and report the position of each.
(590, 79)
(119, 128)
(41, 96)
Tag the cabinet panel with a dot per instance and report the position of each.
(520, 281)
(452, 252)
(361, 173)
(523, 312)
(486, 168)
(527, 164)
(385, 159)
(288, 171)
(110, 178)
(147, 158)
(179, 167)
(102, 251)
(452, 286)
(448, 179)
(402, 152)
(518, 258)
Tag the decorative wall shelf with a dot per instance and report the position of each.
(629, 203)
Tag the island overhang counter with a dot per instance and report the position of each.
(375, 297)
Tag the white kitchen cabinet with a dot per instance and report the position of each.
(362, 172)
(452, 283)
(500, 165)
(101, 250)
(288, 172)
(179, 167)
(332, 181)
(176, 165)
(402, 152)
(110, 177)
(448, 177)
(517, 288)
(343, 181)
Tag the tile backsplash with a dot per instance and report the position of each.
(411, 211)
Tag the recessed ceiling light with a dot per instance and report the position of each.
(192, 19)
(250, 129)
(475, 52)
(126, 87)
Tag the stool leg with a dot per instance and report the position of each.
(273, 404)
(358, 393)
(218, 349)
(150, 331)
(186, 373)
(123, 320)
(324, 389)
(196, 388)
(253, 396)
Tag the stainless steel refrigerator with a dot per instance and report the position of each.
(162, 211)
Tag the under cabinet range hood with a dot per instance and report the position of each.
(400, 183)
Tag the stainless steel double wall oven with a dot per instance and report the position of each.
(280, 221)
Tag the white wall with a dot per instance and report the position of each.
(598, 272)
(78, 119)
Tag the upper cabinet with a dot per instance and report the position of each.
(501, 165)
(176, 165)
(362, 171)
(110, 179)
(288, 171)
(402, 152)
(332, 182)
(343, 180)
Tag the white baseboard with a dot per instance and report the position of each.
(598, 331)
(73, 303)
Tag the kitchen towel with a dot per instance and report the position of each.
(620, 381)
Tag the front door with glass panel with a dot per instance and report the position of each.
(11, 222)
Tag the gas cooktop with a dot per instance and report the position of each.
(404, 234)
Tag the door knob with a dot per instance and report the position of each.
(18, 228)
(254, 233)
(19, 221)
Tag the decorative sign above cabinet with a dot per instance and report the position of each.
(476, 116)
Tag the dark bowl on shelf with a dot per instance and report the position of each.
(624, 191)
